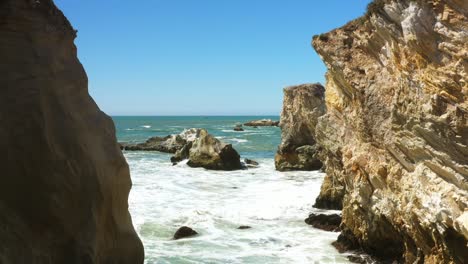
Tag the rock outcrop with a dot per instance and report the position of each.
(208, 152)
(262, 122)
(302, 106)
(394, 139)
(64, 182)
(167, 144)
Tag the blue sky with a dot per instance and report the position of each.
(201, 57)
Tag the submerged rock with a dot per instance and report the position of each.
(262, 122)
(302, 106)
(184, 232)
(64, 182)
(210, 153)
(327, 222)
(244, 227)
(394, 139)
(168, 144)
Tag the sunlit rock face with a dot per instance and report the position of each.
(302, 106)
(394, 139)
(64, 182)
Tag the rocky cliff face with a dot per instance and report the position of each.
(394, 139)
(302, 106)
(64, 182)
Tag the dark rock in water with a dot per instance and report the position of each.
(263, 122)
(302, 107)
(251, 162)
(325, 222)
(244, 227)
(184, 232)
(210, 153)
(238, 128)
(64, 183)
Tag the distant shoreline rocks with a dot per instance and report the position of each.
(167, 144)
(262, 122)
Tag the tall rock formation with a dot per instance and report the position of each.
(64, 182)
(302, 106)
(395, 135)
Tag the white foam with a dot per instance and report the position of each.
(146, 126)
(215, 203)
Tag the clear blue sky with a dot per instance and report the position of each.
(201, 57)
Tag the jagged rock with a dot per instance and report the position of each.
(302, 106)
(208, 152)
(64, 181)
(168, 144)
(184, 232)
(262, 122)
(327, 222)
(394, 139)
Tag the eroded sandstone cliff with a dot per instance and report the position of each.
(302, 106)
(64, 183)
(394, 139)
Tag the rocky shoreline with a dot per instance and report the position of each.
(394, 137)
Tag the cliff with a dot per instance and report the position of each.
(395, 135)
(64, 182)
(302, 106)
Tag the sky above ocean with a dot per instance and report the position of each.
(204, 57)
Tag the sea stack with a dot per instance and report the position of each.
(302, 106)
(395, 134)
(64, 182)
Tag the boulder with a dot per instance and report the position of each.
(210, 153)
(327, 222)
(64, 182)
(262, 122)
(302, 106)
(168, 144)
(251, 163)
(184, 232)
(238, 127)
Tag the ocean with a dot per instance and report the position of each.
(215, 203)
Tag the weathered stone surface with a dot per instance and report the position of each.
(184, 232)
(64, 182)
(302, 106)
(168, 144)
(395, 135)
(210, 153)
(262, 122)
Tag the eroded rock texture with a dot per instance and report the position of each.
(395, 135)
(302, 106)
(64, 182)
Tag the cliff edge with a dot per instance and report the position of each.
(394, 138)
(64, 182)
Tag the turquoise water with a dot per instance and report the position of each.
(215, 203)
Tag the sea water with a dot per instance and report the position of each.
(215, 203)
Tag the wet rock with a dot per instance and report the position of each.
(244, 227)
(251, 163)
(238, 127)
(327, 222)
(210, 153)
(184, 232)
(168, 144)
(64, 182)
(262, 122)
(302, 106)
